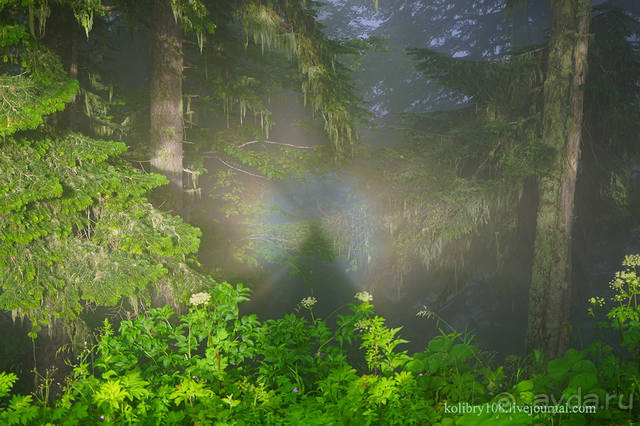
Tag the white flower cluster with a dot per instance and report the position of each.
(364, 296)
(308, 302)
(362, 325)
(597, 301)
(200, 299)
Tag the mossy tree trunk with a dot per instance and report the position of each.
(550, 291)
(166, 126)
(166, 131)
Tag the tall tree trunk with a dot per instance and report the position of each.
(72, 110)
(550, 291)
(166, 130)
(166, 126)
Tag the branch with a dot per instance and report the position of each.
(276, 143)
(240, 170)
(266, 237)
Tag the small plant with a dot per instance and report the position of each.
(308, 303)
(211, 365)
(625, 317)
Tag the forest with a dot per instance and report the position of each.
(328, 212)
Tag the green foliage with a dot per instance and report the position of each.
(193, 16)
(241, 188)
(291, 26)
(212, 365)
(625, 317)
(459, 176)
(6, 383)
(279, 45)
(24, 100)
(459, 173)
(75, 227)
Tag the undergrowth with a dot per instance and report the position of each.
(213, 366)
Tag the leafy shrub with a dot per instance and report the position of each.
(212, 366)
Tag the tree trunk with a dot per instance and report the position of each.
(550, 291)
(72, 110)
(166, 130)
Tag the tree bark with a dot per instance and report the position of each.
(166, 131)
(550, 291)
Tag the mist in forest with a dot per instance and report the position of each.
(466, 167)
(483, 299)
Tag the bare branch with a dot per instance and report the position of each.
(240, 170)
(264, 237)
(276, 143)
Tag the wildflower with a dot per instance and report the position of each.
(420, 374)
(193, 377)
(200, 299)
(295, 389)
(102, 417)
(364, 296)
(308, 302)
(597, 301)
(317, 354)
(362, 325)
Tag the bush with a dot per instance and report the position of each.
(211, 366)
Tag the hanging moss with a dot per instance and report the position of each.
(75, 227)
(325, 85)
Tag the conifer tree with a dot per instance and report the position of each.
(550, 292)
(168, 18)
(233, 74)
(166, 132)
(282, 24)
(75, 226)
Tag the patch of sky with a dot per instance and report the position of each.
(414, 104)
(379, 109)
(379, 88)
(366, 26)
(416, 7)
(361, 20)
(336, 3)
(437, 41)
(324, 14)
